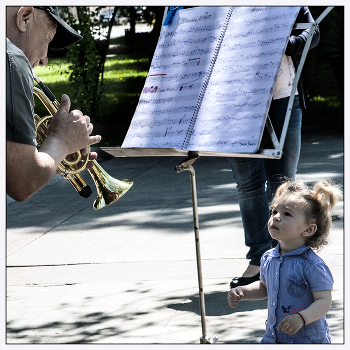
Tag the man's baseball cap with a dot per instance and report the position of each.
(65, 35)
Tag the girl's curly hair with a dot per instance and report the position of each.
(319, 202)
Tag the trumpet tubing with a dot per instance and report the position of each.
(108, 188)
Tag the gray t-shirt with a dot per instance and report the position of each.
(20, 124)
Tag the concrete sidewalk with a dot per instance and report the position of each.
(127, 273)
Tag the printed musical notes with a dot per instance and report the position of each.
(211, 79)
(178, 69)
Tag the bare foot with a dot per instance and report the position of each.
(251, 271)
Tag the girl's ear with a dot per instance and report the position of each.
(310, 230)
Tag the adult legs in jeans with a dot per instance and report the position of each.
(257, 180)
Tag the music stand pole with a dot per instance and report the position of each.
(187, 165)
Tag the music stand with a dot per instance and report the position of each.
(192, 156)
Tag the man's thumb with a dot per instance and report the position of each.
(65, 103)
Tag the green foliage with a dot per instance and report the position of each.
(84, 61)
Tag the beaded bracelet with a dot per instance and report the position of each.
(302, 318)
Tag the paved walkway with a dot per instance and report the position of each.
(127, 273)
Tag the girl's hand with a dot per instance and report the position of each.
(291, 324)
(234, 296)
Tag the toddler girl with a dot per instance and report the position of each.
(296, 281)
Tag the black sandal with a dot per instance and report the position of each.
(243, 281)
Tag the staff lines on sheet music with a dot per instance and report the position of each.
(210, 38)
(206, 119)
(258, 9)
(203, 133)
(222, 144)
(257, 74)
(189, 30)
(231, 105)
(261, 54)
(188, 77)
(265, 19)
(158, 123)
(157, 89)
(254, 43)
(256, 67)
(187, 53)
(232, 118)
(175, 65)
(256, 77)
(157, 134)
(161, 100)
(243, 92)
(204, 17)
(277, 27)
(188, 41)
(155, 101)
(162, 144)
(168, 111)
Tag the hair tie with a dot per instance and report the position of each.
(302, 318)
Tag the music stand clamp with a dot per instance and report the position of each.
(187, 165)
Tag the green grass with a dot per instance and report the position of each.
(331, 101)
(118, 69)
(54, 72)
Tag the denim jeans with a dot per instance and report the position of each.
(258, 178)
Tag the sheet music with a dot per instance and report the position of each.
(179, 66)
(236, 102)
(233, 111)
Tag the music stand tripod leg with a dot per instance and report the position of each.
(187, 165)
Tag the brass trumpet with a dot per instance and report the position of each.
(108, 188)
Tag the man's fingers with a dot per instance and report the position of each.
(94, 139)
(84, 152)
(90, 127)
(93, 156)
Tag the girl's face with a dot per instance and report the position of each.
(288, 223)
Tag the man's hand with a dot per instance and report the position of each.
(72, 129)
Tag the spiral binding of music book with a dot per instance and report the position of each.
(206, 81)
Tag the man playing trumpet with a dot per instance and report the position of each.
(30, 31)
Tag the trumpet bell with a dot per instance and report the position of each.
(108, 188)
